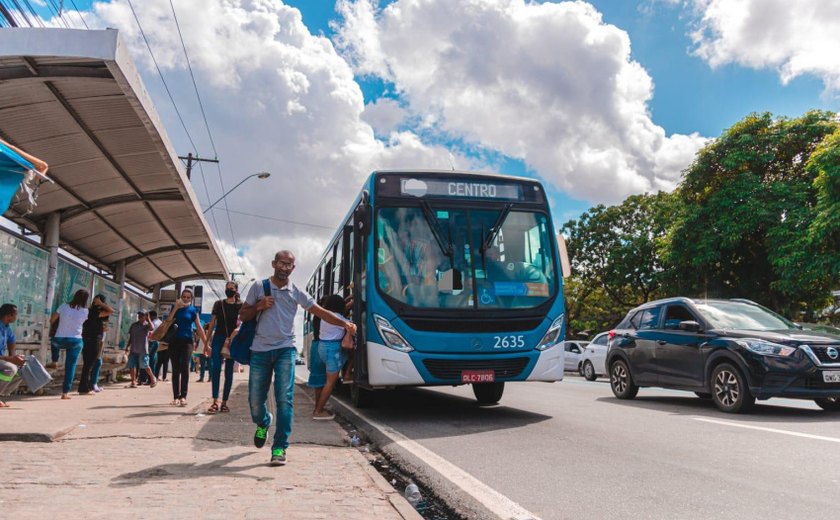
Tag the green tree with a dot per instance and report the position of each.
(747, 222)
(615, 256)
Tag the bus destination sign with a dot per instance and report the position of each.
(461, 188)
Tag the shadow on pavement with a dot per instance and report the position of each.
(690, 405)
(434, 414)
(181, 471)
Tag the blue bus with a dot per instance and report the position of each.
(452, 278)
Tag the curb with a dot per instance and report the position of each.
(395, 498)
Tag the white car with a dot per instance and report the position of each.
(594, 359)
(574, 353)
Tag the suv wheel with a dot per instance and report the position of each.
(829, 404)
(589, 371)
(729, 389)
(621, 382)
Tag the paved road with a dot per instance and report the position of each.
(570, 450)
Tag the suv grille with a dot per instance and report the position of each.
(821, 351)
(451, 369)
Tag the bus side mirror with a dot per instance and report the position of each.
(565, 265)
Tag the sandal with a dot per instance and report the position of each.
(224, 408)
(213, 409)
(174, 402)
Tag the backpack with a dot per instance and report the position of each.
(240, 345)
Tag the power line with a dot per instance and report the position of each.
(282, 220)
(209, 134)
(79, 12)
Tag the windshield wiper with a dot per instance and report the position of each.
(495, 229)
(434, 224)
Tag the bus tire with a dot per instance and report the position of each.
(488, 393)
(360, 397)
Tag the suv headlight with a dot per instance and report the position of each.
(552, 335)
(392, 338)
(766, 348)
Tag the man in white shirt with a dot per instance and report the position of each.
(153, 347)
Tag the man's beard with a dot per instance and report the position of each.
(281, 276)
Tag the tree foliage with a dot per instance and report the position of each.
(615, 258)
(757, 215)
(747, 205)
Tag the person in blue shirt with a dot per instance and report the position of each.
(186, 317)
(9, 362)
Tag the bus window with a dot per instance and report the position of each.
(515, 271)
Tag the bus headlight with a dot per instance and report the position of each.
(392, 338)
(552, 335)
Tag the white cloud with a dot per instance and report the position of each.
(549, 83)
(384, 115)
(278, 99)
(795, 38)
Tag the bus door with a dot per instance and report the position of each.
(356, 234)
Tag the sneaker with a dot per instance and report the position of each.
(278, 457)
(262, 433)
(97, 389)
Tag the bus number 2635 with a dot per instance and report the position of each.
(509, 341)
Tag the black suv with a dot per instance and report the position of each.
(732, 351)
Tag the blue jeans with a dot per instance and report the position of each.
(74, 349)
(216, 368)
(281, 363)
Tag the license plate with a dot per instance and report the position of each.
(831, 377)
(479, 376)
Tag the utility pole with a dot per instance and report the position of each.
(190, 158)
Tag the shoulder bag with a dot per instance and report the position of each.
(348, 341)
(225, 352)
(240, 345)
(161, 330)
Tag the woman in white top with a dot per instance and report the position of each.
(330, 354)
(68, 335)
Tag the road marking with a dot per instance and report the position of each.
(498, 504)
(771, 430)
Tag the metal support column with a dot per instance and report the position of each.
(156, 298)
(119, 277)
(51, 240)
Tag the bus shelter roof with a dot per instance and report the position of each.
(75, 99)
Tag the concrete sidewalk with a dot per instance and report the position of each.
(126, 453)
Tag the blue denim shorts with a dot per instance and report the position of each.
(317, 369)
(140, 361)
(332, 355)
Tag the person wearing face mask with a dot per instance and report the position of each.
(223, 326)
(186, 317)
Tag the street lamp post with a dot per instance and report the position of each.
(260, 175)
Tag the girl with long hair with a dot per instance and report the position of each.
(69, 317)
(223, 326)
(186, 317)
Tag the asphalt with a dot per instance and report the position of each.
(127, 453)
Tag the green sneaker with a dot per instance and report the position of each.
(262, 433)
(278, 457)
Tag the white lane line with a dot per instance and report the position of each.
(771, 430)
(498, 504)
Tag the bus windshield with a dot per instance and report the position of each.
(499, 258)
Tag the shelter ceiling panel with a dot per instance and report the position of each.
(103, 188)
(126, 140)
(174, 263)
(73, 89)
(52, 120)
(80, 172)
(21, 94)
(103, 245)
(204, 259)
(117, 255)
(66, 60)
(62, 149)
(104, 113)
(144, 272)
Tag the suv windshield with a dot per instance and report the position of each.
(414, 267)
(743, 316)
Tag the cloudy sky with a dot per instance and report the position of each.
(598, 100)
